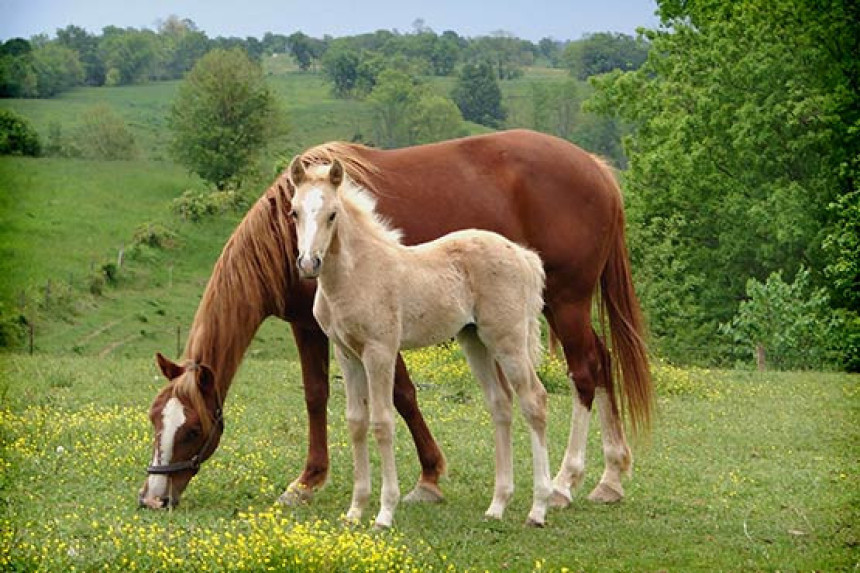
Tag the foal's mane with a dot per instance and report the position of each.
(361, 205)
(359, 169)
(248, 283)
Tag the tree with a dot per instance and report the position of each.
(745, 120)
(603, 52)
(57, 69)
(86, 45)
(340, 66)
(478, 96)
(129, 55)
(222, 117)
(301, 50)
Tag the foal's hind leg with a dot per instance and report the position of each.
(519, 370)
(591, 377)
(498, 399)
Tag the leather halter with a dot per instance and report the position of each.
(194, 463)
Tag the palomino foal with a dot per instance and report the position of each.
(375, 296)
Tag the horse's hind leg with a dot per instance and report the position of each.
(519, 371)
(590, 371)
(498, 399)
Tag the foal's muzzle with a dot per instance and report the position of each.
(309, 266)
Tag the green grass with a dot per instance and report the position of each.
(744, 471)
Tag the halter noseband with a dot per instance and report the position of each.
(194, 463)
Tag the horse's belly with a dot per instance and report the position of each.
(425, 329)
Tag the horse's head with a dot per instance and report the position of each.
(186, 416)
(315, 206)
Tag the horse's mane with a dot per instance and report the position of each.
(359, 169)
(247, 284)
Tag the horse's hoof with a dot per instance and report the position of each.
(531, 522)
(381, 526)
(559, 499)
(604, 493)
(296, 494)
(425, 493)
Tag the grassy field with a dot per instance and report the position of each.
(744, 471)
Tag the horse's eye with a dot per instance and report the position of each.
(331, 217)
(192, 434)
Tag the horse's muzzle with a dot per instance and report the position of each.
(309, 267)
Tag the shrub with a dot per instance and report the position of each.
(17, 136)
(153, 235)
(194, 205)
(104, 135)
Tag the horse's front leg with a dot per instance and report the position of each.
(379, 368)
(431, 457)
(357, 420)
(312, 345)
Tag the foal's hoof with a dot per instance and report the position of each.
(377, 526)
(425, 493)
(296, 494)
(532, 522)
(604, 493)
(559, 499)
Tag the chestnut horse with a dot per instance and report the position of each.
(537, 190)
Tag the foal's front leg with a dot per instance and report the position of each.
(379, 367)
(357, 419)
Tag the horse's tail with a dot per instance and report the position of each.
(627, 328)
(534, 303)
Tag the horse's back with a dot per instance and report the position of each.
(535, 189)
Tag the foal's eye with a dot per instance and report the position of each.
(293, 215)
(331, 217)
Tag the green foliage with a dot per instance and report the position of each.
(153, 235)
(194, 205)
(478, 96)
(793, 323)
(223, 117)
(742, 119)
(128, 55)
(603, 52)
(103, 135)
(407, 113)
(17, 137)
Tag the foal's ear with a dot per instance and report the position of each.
(335, 173)
(297, 171)
(205, 379)
(169, 368)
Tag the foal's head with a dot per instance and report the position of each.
(315, 207)
(186, 416)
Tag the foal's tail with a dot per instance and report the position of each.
(534, 303)
(629, 352)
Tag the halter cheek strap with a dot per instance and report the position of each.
(193, 464)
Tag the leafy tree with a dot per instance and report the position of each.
(436, 118)
(392, 101)
(340, 66)
(86, 45)
(17, 136)
(478, 95)
(792, 325)
(301, 50)
(17, 76)
(222, 117)
(745, 118)
(57, 69)
(603, 52)
(129, 55)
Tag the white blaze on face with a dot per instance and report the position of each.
(172, 418)
(312, 204)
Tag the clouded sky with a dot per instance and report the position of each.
(530, 19)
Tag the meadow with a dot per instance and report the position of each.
(744, 471)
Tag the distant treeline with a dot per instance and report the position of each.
(44, 66)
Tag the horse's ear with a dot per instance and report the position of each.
(297, 171)
(169, 368)
(335, 173)
(205, 379)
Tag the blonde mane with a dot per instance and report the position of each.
(360, 170)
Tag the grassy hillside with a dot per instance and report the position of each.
(62, 220)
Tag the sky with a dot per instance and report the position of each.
(529, 19)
